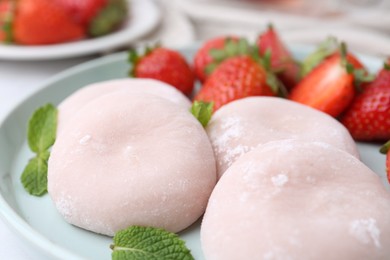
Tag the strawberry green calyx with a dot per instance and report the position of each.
(360, 75)
(109, 18)
(202, 111)
(134, 57)
(6, 21)
(386, 66)
(272, 80)
(344, 60)
(385, 148)
(324, 50)
(232, 48)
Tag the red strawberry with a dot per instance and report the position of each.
(368, 118)
(385, 149)
(330, 86)
(165, 65)
(98, 17)
(235, 78)
(203, 58)
(82, 12)
(43, 22)
(282, 62)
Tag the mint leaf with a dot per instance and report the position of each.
(202, 111)
(34, 176)
(145, 243)
(42, 128)
(41, 135)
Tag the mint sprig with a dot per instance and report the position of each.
(145, 243)
(202, 111)
(41, 135)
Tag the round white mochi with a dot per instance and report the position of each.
(71, 105)
(131, 159)
(297, 200)
(242, 125)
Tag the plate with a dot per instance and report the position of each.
(144, 16)
(35, 218)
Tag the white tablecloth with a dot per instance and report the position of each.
(19, 79)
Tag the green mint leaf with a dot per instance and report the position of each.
(146, 243)
(34, 177)
(325, 49)
(41, 135)
(202, 111)
(42, 128)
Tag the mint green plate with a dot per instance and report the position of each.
(36, 219)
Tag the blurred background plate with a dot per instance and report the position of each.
(144, 16)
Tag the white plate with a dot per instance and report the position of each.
(35, 218)
(143, 17)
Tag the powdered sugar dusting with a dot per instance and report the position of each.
(232, 154)
(233, 128)
(85, 139)
(276, 254)
(279, 180)
(365, 230)
(65, 206)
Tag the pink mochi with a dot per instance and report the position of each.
(242, 125)
(70, 106)
(131, 159)
(297, 200)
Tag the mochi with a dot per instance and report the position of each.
(71, 105)
(242, 125)
(131, 159)
(292, 199)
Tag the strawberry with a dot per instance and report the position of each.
(235, 78)
(109, 18)
(324, 50)
(6, 15)
(282, 62)
(98, 17)
(82, 12)
(165, 65)
(330, 87)
(203, 58)
(43, 22)
(368, 117)
(385, 149)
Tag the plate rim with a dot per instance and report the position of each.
(84, 47)
(11, 217)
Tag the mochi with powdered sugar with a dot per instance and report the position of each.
(297, 200)
(71, 105)
(242, 125)
(131, 159)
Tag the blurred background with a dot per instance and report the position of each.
(364, 24)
